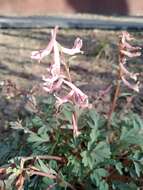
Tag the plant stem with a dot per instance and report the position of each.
(67, 71)
(32, 172)
(43, 157)
(114, 99)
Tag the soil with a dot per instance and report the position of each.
(93, 71)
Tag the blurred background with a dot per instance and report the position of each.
(42, 7)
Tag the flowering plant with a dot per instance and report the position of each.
(40, 153)
(57, 80)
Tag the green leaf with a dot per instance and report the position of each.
(94, 135)
(87, 159)
(117, 185)
(132, 136)
(43, 167)
(101, 172)
(95, 119)
(101, 152)
(47, 182)
(53, 164)
(67, 111)
(119, 167)
(125, 94)
(97, 155)
(103, 185)
(97, 178)
(34, 138)
(43, 133)
(138, 169)
(37, 122)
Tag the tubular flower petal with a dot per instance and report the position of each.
(134, 87)
(78, 96)
(126, 36)
(64, 99)
(127, 73)
(39, 55)
(56, 66)
(52, 85)
(76, 48)
(130, 54)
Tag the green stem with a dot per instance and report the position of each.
(114, 100)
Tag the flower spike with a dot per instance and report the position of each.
(56, 80)
(127, 50)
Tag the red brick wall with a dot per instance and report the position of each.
(30, 7)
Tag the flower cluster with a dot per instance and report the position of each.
(57, 79)
(127, 50)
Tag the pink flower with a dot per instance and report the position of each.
(76, 48)
(39, 55)
(127, 73)
(75, 96)
(55, 71)
(130, 54)
(134, 87)
(127, 49)
(52, 84)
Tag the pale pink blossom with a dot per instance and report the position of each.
(134, 87)
(55, 71)
(76, 48)
(126, 37)
(39, 55)
(127, 50)
(65, 99)
(50, 85)
(130, 54)
(127, 73)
